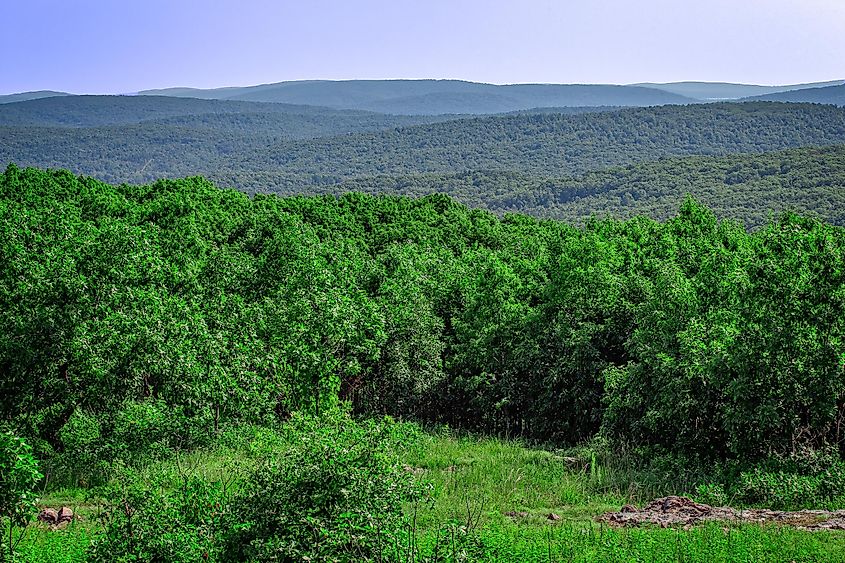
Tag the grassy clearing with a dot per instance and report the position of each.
(475, 483)
(481, 479)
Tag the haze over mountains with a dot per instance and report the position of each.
(827, 95)
(35, 95)
(721, 91)
(429, 97)
(435, 96)
(456, 96)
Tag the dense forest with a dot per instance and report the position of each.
(226, 308)
(555, 144)
(747, 187)
(93, 111)
(290, 149)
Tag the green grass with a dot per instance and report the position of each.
(474, 482)
(483, 478)
(575, 542)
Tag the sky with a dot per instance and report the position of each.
(123, 46)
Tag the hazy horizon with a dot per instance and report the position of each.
(222, 86)
(95, 46)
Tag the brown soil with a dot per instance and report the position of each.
(682, 511)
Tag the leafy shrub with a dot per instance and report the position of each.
(18, 477)
(94, 447)
(158, 522)
(333, 490)
(802, 480)
(712, 493)
(335, 494)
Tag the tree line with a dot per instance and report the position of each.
(160, 313)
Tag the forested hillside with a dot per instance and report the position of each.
(541, 145)
(746, 187)
(92, 111)
(139, 138)
(260, 151)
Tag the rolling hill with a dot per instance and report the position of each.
(139, 138)
(24, 96)
(746, 187)
(94, 111)
(293, 152)
(540, 144)
(828, 95)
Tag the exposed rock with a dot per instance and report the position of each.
(514, 514)
(553, 517)
(684, 512)
(48, 516)
(56, 519)
(65, 515)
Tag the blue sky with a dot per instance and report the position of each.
(121, 46)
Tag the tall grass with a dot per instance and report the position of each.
(490, 501)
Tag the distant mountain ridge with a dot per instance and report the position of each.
(25, 96)
(92, 111)
(460, 97)
(834, 95)
(430, 97)
(717, 91)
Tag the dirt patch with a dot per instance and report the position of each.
(682, 511)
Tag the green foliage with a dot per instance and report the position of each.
(746, 187)
(333, 490)
(799, 480)
(159, 315)
(93, 448)
(504, 163)
(335, 493)
(475, 482)
(159, 522)
(19, 476)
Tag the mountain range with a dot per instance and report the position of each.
(564, 161)
(432, 97)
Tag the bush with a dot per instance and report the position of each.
(334, 490)
(158, 522)
(808, 479)
(93, 447)
(335, 494)
(19, 476)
